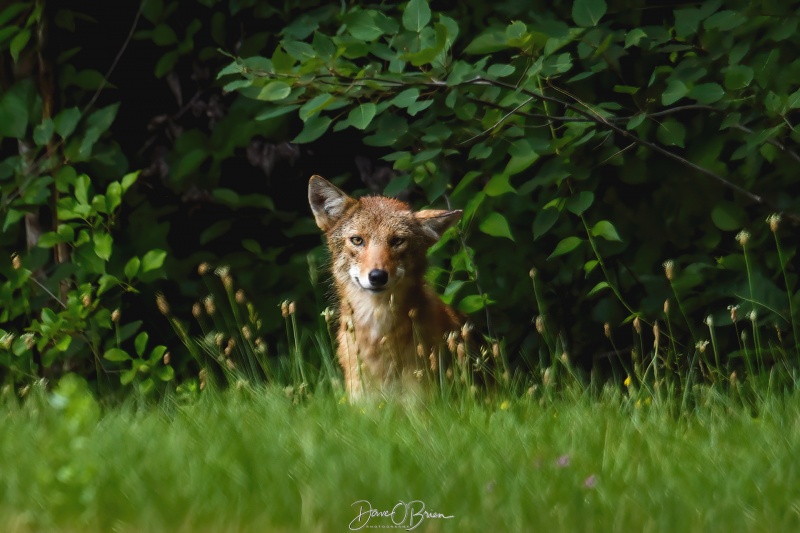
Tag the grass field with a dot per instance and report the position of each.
(255, 460)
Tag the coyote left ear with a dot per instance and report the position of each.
(328, 202)
(435, 222)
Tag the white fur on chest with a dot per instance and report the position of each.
(374, 317)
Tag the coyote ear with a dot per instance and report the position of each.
(435, 223)
(328, 203)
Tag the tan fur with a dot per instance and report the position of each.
(381, 329)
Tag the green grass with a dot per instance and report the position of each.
(255, 460)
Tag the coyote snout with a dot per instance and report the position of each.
(387, 314)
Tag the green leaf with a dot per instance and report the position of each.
(416, 15)
(405, 98)
(113, 196)
(606, 230)
(597, 288)
(18, 43)
(500, 70)
(587, 13)
(49, 239)
(490, 41)
(362, 25)
(14, 110)
(163, 35)
(578, 203)
(127, 376)
(66, 121)
(115, 354)
(166, 63)
(419, 105)
(96, 124)
(707, 93)
(102, 245)
(728, 216)
(165, 373)
(498, 185)
(275, 90)
(675, 90)
(397, 185)
(43, 132)
(634, 37)
(738, 77)
(671, 132)
(277, 111)
(724, 20)
(566, 246)
(299, 50)
(215, 230)
(361, 116)
(132, 267)
(315, 105)
(324, 46)
(471, 304)
(153, 260)
(11, 11)
(496, 225)
(314, 128)
(545, 219)
(128, 180)
(635, 121)
(141, 343)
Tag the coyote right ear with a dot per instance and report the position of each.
(328, 203)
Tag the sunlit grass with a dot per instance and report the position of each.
(258, 460)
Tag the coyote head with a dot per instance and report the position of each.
(376, 243)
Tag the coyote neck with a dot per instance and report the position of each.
(384, 314)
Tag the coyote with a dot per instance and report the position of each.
(391, 323)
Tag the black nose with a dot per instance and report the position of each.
(378, 278)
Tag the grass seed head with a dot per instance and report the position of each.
(240, 297)
(466, 330)
(115, 316)
(539, 322)
(203, 269)
(197, 310)
(774, 221)
(208, 302)
(161, 303)
(669, 269)
(743, 237)
(637, 325)
(451, 339)
(734, 312)
(16, 262)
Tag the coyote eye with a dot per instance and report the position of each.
(396, 241)
(358, 241)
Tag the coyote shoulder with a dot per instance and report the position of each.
(392, 326)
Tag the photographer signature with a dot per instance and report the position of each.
(406, 515)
